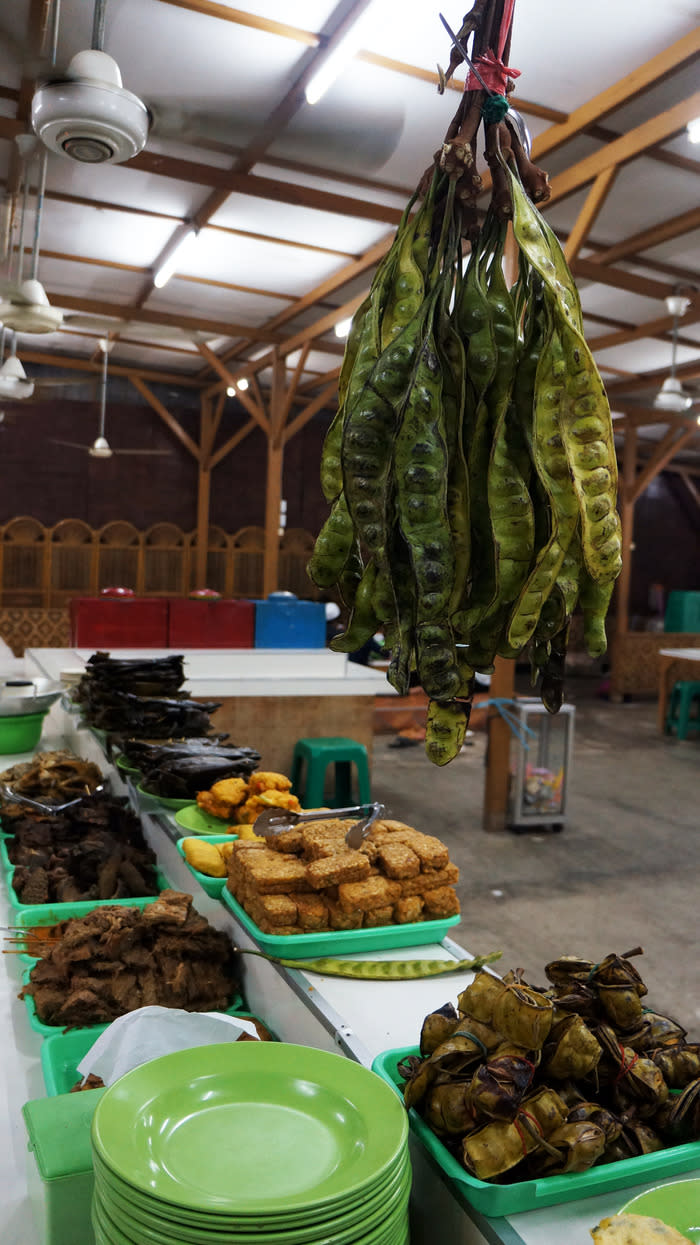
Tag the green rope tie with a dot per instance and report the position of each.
(494, 109)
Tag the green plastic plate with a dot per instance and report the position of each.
(299, 1127)
(213, 886)
(493, 1199)
(161, 799)
(676, 1204)
(338, 941)
(196, 821)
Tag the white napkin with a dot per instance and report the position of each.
(149, 1032)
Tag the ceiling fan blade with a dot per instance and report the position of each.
(56, 382)
(150, 453)
(337, 134)
(126, 328)
(72, 445)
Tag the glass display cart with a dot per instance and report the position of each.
(539, 779)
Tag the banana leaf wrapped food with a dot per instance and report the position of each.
(593, 1113)
(499, 1086)
(500, 1146)
(437, 1027)
(151, 717)
(181, 777)
(679, 1065)
(448, 1109)
(574, 1147)
(571, 1050)
(481, 995)
(522, 1015)
(629, 1074)
(568, 970)
(144, 676)
(679, 1117)
(657, 1030)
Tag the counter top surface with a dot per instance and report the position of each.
(241, 672)
(360, 1018)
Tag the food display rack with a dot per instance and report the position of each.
(358, 1018)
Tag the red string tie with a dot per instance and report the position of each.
(624, 1066)
(494, 73)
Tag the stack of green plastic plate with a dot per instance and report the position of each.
(248, 1143)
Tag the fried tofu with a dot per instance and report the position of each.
(277, 909)
(379, 916)
(290, 841)
(272, 873)
(345, 866)
(340, 919)
(432, 853)
(312, 912)
(430, 879)
(441, 902)
(375, 892)
(255, 804)
(325, 838)
(409, 909)
(398, 860)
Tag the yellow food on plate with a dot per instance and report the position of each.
(636, 1230)
(266, 799)
(223, 798)
(244, 832)
(266, 780)
(205, 858)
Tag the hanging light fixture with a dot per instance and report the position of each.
(100, 447)
(672, 396)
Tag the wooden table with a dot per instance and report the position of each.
(668, 657)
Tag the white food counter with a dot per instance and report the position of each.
(358, 1018)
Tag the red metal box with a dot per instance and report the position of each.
(119, 622)
(211, 624)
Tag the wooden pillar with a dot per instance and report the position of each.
(202, 547)
(496, 787)
(273, 488)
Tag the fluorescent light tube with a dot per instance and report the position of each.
(694, 130)
(169, 265)
(335, 64)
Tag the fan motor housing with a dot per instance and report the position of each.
(93, 122)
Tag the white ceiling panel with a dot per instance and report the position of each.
(192, 299)
(298, 224)
(103, 234)
(316, 361)
(248, 261)
(163, 360)
(124, 184)
(108, 284)
(644, 355)
(678, 86)
(683, 251)
(317, 181)
(63, 343)
(606, 300)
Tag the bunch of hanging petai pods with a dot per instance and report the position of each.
(470, 467)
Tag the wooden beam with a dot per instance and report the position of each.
(291, 391)
(190, 324)
(632, 144)
(497, 782)
(652, 328)
(684, 371)
(690, 486)
(621, 92)
(309, 411)
(116, 369)
(252, 407)
(647, 238)
(645, 415)
(208, 8)
(169, 420)
(629, 473)
(315, 381)
(591, 270)
(231, 443)
(589, 213)
(667, 449)
(660, 154)
(202, 538)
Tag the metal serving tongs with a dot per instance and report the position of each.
(12, 798)
(512, 117)
(275, 820)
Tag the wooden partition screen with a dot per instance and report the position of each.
(43, 567)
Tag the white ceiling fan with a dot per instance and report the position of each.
(100, 447)
(672, 396)
(83, 112)
(24, 307)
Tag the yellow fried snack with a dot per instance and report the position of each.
(223, 797)
(204, 857)
(246, 832)
(636, 1230)
(266, 799)
(267, 781)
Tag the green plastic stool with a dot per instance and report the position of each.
(314, 756)
(682, 697)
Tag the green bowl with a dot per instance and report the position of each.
(196, 821)
(676, 1204)
(21, 732)
(124, 764)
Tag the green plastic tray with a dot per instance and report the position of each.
(495, 1200)
(61, 1054)
(194, 820)
(161, 799)
(213, 886)
(9, 870)
(337, 941)
(236, 1008)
